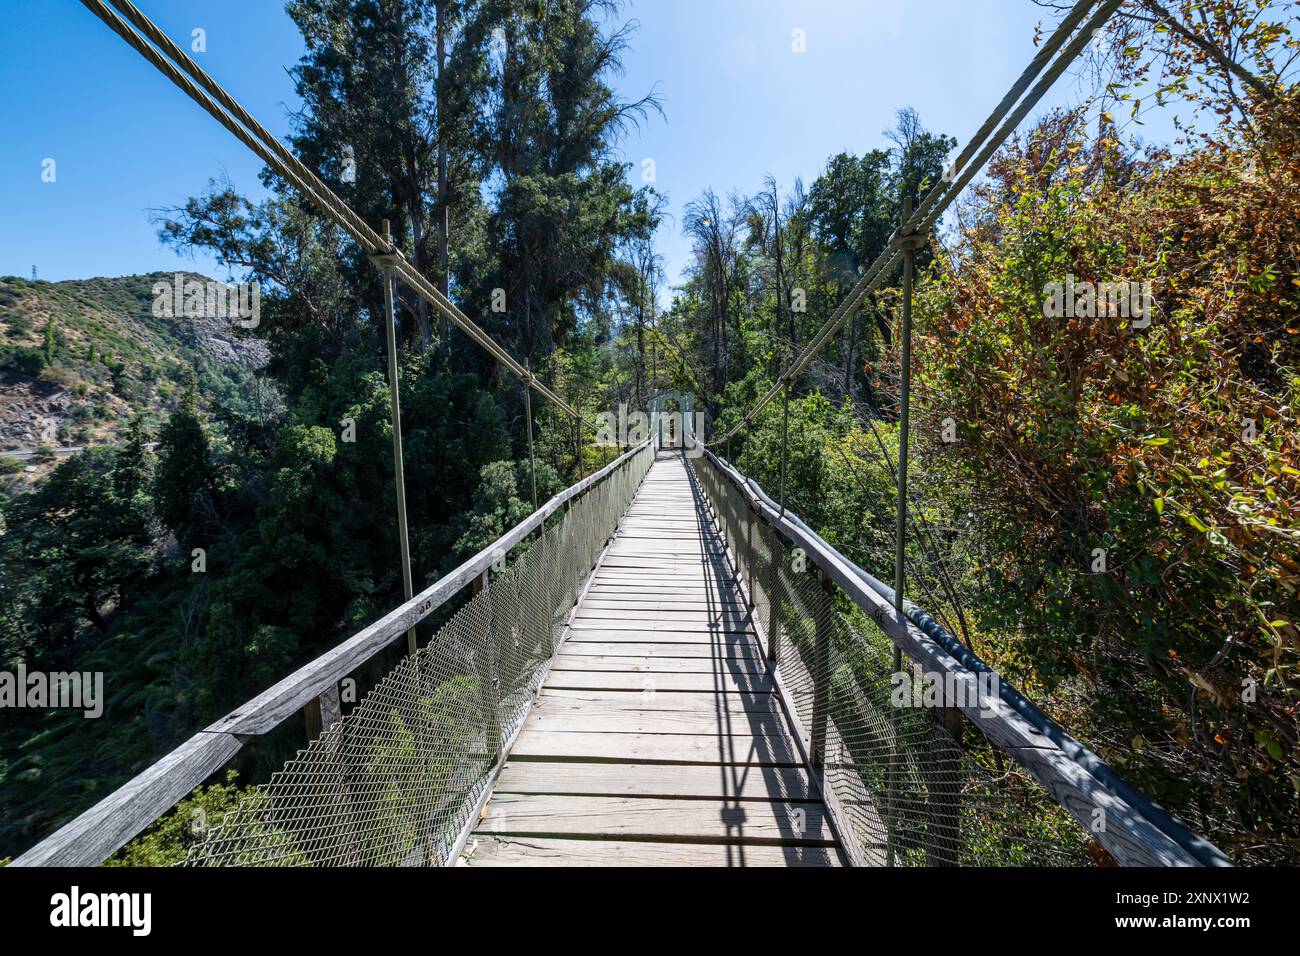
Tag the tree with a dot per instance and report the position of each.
(502, 500)
(133, 470)
(918, 158)
(563, 207)
(1127, 479)
(715, 232)
(74, 552)
(851, 210)
(391, 93)
(185, 484)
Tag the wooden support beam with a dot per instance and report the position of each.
(821, 677)
(323, 712)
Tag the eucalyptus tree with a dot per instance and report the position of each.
(562, 206)
(392, 94)
(715, 231)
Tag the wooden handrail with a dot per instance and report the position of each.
(106, 827)
(1126, 829)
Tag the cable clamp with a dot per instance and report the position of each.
(387, 261)
(908, 241)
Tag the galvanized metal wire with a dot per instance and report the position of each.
(908, 792)
(396, 781)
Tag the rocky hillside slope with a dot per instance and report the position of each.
(78, 358)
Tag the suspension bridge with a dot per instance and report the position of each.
(662, 665)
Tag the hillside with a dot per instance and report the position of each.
(79, 357)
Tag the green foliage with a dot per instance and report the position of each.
(295, 509)
(852, 212)
(74, 549)
(169, 839)
(185, 482)
(503, 499)
(100, 339)
(51, 341)
(1164, 452)
(24, 361)
(399, 765)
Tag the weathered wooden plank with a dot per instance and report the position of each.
(570, 661)
(106, 827)
(664, 543)
(654, 748)
(622, 701)
(656, 635)
(652, 629)
(654, 560)
(706, 612)
(712, 597)
(656, 780)
(631, 818)
(707, 651)
(724, 683)
(597, 602)
(698, 723)
(671, 583)
(631, 618)
(666, 585)
(656, 538)
(649, 531)
(651, 576)
(673, 550)
(668, 567)
(551, 851)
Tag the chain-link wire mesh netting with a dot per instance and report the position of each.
(395, 781)
(906, 788)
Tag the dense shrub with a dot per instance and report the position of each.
(1135, 489)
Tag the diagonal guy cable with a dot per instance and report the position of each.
(171, 60)
(970, 162)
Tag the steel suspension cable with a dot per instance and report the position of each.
(171, 60)
(1058, 38)
(1062, 63)
(938, 201)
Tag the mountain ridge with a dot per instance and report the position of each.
(80, 357)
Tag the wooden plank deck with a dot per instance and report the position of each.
(658, 738)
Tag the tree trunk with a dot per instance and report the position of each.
(851, 335)
(417, 237)
(92, 613)
(441, 211)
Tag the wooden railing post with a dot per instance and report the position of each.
(945, 794)
(323, 712)
(820, 673)
(774, 602)
(487, 677)
(749, 551)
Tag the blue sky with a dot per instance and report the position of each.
(739, 104)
